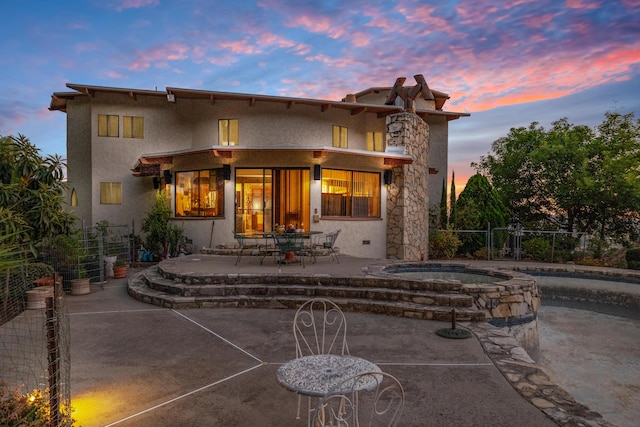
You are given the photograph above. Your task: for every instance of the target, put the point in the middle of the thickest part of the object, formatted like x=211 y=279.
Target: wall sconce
x=74 y=197
x=388 y=177
x=317 y=173
x=171 y=97
x=156 y=183
x=226 y=172
x=167 y=177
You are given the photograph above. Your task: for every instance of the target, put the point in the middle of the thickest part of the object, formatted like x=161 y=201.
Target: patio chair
x=325 y=242
x=368 y=399
x=319 y=327
x=246 y=243
x=289 y=245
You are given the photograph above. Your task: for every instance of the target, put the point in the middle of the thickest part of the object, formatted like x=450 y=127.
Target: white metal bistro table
x=315 y=375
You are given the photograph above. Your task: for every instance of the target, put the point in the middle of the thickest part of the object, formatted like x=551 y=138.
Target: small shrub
x=443 y=244
x=537 y=248
x=633 y=258
x=17 y=409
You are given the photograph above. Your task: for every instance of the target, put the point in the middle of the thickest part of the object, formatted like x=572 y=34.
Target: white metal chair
x=369 y=399
x=325 y=242
x=319 y=327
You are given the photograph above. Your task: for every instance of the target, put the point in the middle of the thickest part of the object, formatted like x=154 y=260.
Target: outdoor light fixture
x=388 y=177
x=226 y=172
x=74 y=197
x=167 y=176
x=317 y=175
x=171 y=97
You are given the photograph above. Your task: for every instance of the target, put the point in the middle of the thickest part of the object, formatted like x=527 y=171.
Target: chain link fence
x=514 y=243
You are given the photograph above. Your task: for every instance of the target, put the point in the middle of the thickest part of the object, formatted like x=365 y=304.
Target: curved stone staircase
x=396 y=297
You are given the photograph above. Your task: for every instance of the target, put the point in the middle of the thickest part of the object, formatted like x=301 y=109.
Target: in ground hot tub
x=510 y=299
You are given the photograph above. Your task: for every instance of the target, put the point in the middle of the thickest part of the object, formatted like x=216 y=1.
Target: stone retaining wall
x=510 y=303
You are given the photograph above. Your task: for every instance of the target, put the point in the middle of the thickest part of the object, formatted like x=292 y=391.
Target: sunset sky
x=508 y=63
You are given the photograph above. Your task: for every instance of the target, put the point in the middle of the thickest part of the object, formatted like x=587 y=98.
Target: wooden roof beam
x=165 y=160
x=225 y=154
x=397 y=162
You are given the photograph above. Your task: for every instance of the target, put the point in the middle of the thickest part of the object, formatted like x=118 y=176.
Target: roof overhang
x=289 y=102
x=150 y=164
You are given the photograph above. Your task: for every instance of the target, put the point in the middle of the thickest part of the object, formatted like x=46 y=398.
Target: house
x=246 y=162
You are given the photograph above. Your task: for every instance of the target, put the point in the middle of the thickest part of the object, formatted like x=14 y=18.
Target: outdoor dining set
x=288 y=247
x=340 y=389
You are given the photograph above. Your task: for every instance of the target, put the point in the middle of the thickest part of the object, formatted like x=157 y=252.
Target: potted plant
x=161 y=236
x=119 y=269
x=80 y=285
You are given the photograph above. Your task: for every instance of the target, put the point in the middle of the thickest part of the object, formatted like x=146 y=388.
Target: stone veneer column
x=407 y=196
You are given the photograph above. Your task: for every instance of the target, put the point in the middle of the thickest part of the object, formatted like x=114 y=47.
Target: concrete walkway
x=135 y=364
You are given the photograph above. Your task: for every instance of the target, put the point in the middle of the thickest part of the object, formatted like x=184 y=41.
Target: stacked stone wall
x=407 y=196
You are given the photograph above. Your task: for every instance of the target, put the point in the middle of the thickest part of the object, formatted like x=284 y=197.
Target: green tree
x=479 y=206
x=452 y=201
x=443 y=206
x=31 y=192
x=613 y=184
x=570 y=176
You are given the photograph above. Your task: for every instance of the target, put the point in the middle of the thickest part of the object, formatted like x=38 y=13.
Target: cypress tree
x=452 y=208
x=443 y=206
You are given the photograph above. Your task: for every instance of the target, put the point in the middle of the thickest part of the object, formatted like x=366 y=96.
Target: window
x=228 y=132
x=108 y=125
x=111 y=193
x=340 y=136
x=350 y=193
x=132 y=127
x=200 y=193
x=375 y=141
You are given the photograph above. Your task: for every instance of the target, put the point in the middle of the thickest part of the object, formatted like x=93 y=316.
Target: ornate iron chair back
x=369 y=399
x=320 y=327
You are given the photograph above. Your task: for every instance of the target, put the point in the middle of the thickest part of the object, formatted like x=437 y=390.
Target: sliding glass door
x=268 y=198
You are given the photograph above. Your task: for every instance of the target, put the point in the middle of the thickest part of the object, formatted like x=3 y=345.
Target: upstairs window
x=350 y=194
x=375 y=141
x=110 y=193
x=340 y=136
x=200 y=193
x=132 y=127
x=228 y=132
x=108 y=125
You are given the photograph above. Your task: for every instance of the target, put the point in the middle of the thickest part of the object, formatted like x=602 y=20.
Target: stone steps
x=245 y=291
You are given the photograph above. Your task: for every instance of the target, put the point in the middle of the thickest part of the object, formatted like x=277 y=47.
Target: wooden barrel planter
x=80 y=286
x=36 y=297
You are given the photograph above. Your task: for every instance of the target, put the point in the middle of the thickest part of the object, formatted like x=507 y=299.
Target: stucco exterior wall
x=271 y=135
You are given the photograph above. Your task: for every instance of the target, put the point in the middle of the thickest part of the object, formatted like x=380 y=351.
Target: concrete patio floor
x=135 y=364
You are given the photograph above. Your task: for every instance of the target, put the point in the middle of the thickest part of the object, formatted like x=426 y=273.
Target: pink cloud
x=583 y=4
x=319 y=24
x=121 y=5
x=537 y=21
x=115 y=74
x=159 y=55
